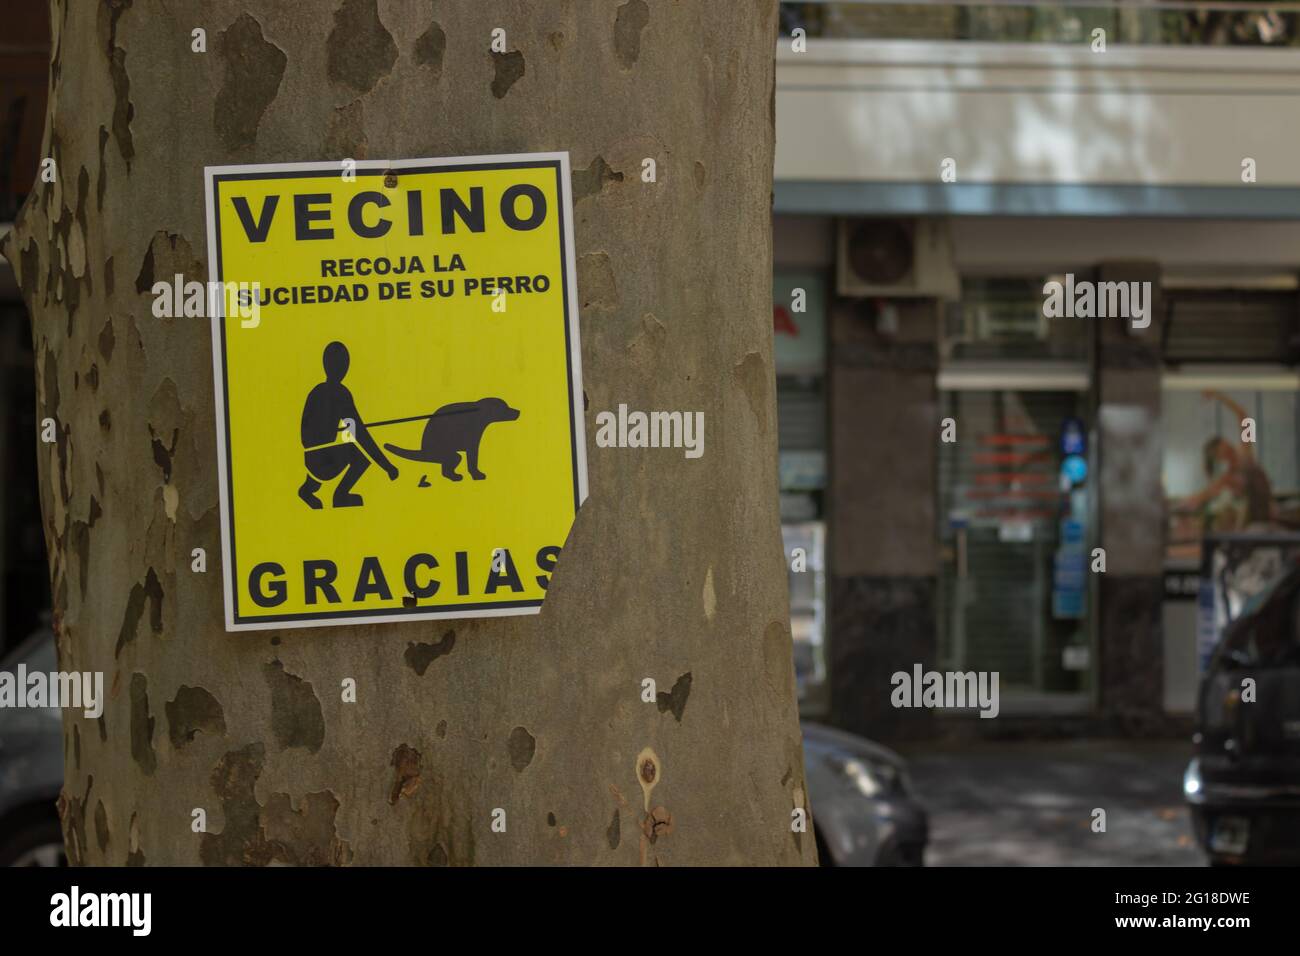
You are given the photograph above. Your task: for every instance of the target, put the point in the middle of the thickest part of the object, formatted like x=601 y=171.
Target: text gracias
x=268 y=584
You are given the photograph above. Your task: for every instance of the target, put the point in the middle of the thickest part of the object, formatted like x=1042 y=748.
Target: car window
x=1270 y=639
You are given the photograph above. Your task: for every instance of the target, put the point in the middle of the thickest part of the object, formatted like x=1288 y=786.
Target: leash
x=391 y=421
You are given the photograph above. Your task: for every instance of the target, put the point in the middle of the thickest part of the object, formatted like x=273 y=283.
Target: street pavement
x=1031 y=803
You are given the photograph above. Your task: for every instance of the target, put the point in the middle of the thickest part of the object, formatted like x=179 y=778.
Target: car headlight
x=870 y=778
x=1192 y=786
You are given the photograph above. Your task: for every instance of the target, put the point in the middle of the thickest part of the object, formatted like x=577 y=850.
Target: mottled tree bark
x=673 y=570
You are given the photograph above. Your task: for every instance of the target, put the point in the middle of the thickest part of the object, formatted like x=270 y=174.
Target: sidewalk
x=1031 y=803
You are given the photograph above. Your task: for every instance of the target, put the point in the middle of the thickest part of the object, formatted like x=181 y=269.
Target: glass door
x=1013 y=522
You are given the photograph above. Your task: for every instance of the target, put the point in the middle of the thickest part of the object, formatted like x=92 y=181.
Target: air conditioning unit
x=895 y=258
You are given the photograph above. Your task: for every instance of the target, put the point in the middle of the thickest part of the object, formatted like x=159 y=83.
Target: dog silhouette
x=457 y=428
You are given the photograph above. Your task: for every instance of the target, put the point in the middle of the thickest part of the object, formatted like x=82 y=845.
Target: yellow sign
x=398 y=387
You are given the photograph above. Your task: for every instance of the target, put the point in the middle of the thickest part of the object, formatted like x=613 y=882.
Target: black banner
x=385 y=907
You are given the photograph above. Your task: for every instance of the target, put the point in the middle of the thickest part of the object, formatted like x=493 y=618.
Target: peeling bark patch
x=162 y=454
x=296 y=718
x=168 y=254
x=100 y=180
x=123 y=110
x=752 y=377
x=101 y=826
x=56 y=61
x=631 y=20
x=675 y=700
x=242 y=841
x=79 y=544
x=657 y=823
x=419 y=656
x=613 y=833
x=550 y=819
x=134 y=856
x=193 y=710
x=509 y=67
x=109 y=282
x=51 y=400
x=142 y=725
x=254 y=68
x=72 y=816
x=406 y=773
x=429 y=49
x=360 y=51
x=107 y=340
x=440 y=832
x=76 y=271
x=597 y=289
x=590 y=181
x=522 y=745
x=59 y=280
x=31 y=271
x=76 y=747
x=144 y=279
x=150 y=591
x=305 y=836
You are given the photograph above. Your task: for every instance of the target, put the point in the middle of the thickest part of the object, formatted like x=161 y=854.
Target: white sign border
x=210 y=173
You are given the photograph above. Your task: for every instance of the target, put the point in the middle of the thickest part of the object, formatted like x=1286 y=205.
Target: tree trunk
x=673 y=570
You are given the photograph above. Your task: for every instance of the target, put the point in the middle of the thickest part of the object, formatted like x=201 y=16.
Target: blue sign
x=1075 y=468
x=1074 y=440
x=1207 y=629
x=1070 y=573
x=1067 y=605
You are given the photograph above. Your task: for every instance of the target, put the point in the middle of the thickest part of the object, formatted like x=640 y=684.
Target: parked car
x=1243 y=784
x=31 y=768
x=863 y=809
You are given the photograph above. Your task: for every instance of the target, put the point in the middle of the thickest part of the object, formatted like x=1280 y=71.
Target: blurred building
x=929 y=185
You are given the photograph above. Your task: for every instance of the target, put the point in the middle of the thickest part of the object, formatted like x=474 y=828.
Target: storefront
x=1073 y=436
